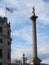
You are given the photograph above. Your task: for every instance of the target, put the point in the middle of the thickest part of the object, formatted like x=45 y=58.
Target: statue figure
x=33 y=11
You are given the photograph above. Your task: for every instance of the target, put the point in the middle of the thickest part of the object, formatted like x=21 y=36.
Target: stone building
x=5 y=42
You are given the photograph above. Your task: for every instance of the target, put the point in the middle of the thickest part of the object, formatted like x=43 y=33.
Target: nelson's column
x=35 y=60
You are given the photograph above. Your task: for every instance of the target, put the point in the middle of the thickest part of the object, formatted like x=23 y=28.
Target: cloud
x=25 y=9
x=2 y=12
x=19 y=20
x=46 y=61
x=43 y=48
x=43 y=52
x=42 y=41
x=18 y=54
x=24 y=33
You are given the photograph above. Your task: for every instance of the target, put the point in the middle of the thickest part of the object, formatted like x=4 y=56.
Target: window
x=8 y=33
x=9 y=64
x=0 y=63
x=8 y=55
x=1 y=40
x=0 y=53
x=0 y=29
x=8 y=43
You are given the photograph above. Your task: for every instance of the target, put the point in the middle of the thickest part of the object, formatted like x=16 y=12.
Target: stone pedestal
x=35 y=61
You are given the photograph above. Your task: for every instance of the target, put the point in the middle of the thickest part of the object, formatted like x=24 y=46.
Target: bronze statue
x=33 y=11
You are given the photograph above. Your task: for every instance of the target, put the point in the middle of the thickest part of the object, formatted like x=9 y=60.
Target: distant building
x=21 y=62
x=24 y=61
x=26 y=64
x=17 y=62
x=5 y=42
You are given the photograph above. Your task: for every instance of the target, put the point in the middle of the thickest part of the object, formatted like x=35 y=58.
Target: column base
x=35 y=61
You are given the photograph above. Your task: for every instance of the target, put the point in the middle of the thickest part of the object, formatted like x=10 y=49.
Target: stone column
x=35 y=59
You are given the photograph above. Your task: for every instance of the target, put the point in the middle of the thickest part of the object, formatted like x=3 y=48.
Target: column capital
x=33 y=17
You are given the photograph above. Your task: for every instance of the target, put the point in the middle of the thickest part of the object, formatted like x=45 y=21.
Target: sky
x=21 y=27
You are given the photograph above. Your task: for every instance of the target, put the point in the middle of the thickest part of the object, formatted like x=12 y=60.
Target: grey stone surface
x=35 y=59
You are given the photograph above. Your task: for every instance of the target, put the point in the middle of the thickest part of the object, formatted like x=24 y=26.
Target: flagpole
x=5 y=12
x=5 y=9
x=3 y=6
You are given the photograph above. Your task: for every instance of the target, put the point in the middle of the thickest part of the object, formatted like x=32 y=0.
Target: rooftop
x=4 y=20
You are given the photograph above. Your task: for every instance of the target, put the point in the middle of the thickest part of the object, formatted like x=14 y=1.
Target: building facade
x=5 y=42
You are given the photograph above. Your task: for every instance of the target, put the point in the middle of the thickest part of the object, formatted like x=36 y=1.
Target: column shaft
x=34 y=39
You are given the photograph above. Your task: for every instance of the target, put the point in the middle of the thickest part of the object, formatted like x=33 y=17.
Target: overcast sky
x=21 y=27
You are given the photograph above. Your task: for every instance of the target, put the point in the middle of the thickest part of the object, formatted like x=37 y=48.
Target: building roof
x=4 y=20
